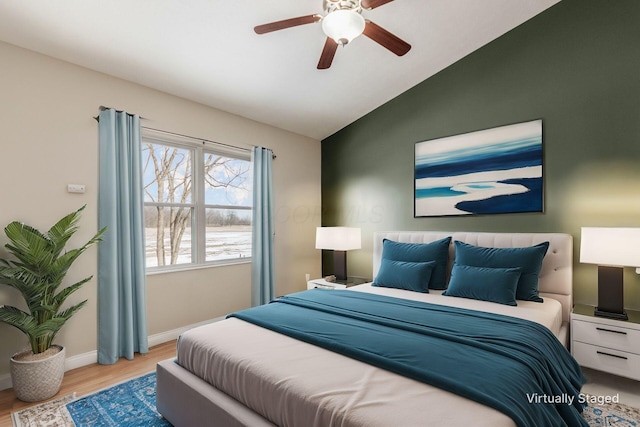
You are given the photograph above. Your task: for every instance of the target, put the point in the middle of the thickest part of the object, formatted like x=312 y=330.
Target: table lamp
x=340 y=240
x=611 y=248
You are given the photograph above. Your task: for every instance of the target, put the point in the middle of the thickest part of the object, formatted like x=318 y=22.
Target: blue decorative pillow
x=412 y=276
x=486 y=284
x=437 y=251
x=528 y=259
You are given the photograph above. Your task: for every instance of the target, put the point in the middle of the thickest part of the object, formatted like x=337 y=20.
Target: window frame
x=199 y=149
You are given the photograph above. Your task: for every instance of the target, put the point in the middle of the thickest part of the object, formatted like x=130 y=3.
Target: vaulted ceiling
x=207 y=51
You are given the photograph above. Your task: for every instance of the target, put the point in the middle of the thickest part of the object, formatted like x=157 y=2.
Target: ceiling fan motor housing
x=333 y=5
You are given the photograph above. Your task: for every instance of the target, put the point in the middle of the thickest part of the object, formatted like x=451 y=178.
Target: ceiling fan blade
x=386 y=39
x=329 y=51
x=372 y=4
x=287 y=23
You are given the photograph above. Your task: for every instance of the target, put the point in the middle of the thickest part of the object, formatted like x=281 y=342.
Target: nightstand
x=338 y=284
x=604 y=344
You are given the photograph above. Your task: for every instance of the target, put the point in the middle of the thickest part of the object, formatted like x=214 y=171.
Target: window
x=197 y=204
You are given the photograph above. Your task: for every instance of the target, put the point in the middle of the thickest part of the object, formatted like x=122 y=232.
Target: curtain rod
x=204 y=141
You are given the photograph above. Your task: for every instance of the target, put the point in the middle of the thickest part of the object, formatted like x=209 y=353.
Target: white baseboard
x=90 y=357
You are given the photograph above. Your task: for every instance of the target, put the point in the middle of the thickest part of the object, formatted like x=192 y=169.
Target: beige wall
x=48 y=139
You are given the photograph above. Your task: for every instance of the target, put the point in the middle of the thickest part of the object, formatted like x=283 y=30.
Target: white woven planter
x=38 y=380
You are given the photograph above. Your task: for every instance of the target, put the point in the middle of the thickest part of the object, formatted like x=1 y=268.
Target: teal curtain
x=263 y=228
x=122 y=326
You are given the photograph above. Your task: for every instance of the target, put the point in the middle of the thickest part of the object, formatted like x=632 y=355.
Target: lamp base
x=340 y=265
x=610 y=293
x=611 y=315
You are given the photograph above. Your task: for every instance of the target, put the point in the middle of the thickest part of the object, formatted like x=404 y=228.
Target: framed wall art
x=490 y=171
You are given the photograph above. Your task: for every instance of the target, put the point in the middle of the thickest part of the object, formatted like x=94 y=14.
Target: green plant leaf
x=61 y=296
x=28 y=244
x=63 y=230
x=66 y=314
x=17 y=318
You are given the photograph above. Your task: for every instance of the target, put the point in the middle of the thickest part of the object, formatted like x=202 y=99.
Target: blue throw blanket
x=515 y=366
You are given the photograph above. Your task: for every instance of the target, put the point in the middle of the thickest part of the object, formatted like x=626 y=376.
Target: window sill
x=188 y=267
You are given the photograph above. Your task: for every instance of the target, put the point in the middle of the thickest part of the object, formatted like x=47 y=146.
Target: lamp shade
x=343 y=25
x=338 y=238
x=612 y=246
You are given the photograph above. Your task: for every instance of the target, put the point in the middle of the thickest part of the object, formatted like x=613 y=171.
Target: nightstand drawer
x=607 y=360
x=603 y=335
x=323 y=284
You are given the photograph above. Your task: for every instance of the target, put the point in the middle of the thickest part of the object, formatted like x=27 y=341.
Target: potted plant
x=37 y=270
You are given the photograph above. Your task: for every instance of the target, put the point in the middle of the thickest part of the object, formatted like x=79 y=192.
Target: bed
x=235 y=373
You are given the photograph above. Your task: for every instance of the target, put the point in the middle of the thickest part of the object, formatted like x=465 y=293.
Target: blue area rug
x=611 y=415
x=132 y=403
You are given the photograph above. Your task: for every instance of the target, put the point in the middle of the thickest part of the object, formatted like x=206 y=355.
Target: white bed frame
x=186 y=400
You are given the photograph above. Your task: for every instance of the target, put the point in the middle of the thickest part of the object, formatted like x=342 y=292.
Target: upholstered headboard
x=556 y=275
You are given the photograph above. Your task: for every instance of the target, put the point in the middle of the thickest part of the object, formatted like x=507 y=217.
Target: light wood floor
x=91 y=378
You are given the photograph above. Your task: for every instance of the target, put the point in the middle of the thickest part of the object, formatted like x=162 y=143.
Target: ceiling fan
x=342 y=22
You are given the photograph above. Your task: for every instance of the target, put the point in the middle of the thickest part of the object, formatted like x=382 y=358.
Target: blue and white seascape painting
x=490 y=171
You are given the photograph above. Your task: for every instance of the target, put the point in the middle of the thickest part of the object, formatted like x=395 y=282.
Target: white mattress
x=292 y=383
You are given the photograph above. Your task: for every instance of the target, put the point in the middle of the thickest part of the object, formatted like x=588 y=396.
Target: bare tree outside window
x=181 y=185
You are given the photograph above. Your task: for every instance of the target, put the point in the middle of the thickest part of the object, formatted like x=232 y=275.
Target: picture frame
x=491 y=171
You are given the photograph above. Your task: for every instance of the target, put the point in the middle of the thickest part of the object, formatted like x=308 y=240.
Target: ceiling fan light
x=343 y=25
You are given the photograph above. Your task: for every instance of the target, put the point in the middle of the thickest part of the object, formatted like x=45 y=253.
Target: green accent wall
x=577 y=67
